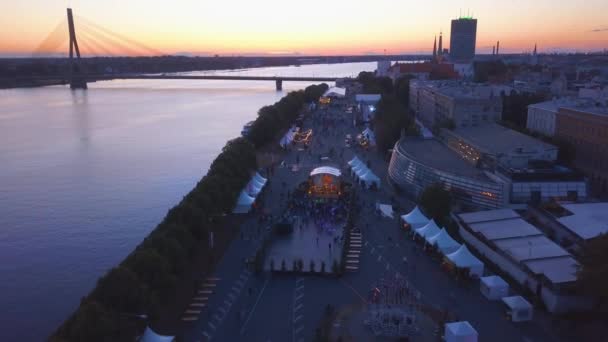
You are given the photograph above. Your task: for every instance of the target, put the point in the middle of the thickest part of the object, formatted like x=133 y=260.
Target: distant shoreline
x=18 y=72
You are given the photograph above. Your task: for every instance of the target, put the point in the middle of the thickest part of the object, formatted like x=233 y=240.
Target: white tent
x=415 y=218
x=520 y=309
x=385 y=209
x=253 y=189
x=444 y=242
x=151 y=336
x=460 y=332
x=243 y=203
x=326 y=170
x=369 y=135
x=355 y=161
x=494 y=287
x=369 y=178
x=359 y=169
x=429 y=230
x=255 y=182
x=259 y=178
x=288 y=137
x=463 y=258
x=335 y=92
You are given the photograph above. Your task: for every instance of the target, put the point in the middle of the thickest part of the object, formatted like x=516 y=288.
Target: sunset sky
x=309 y=27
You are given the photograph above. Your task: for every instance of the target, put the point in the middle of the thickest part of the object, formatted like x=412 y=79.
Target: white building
x=523 y=252
x=496 y=145
x=463 y=104
x=541 y=117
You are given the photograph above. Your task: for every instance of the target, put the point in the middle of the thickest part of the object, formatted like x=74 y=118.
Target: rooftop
x=553 y=105
x=432 y=153
x=497 y=139
x=601 y=110
x=588 y=220
x=489 y=215
x=503 y=229
x=523 y=243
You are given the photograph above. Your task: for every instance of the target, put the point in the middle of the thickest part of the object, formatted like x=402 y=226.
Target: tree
x=390 y=119
x=121 y=290
x=436 y=202
x=402 y=89
x=592 y=276
x=515 y=107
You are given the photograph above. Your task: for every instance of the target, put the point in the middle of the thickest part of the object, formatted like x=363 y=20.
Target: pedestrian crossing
x=200 y=300
x=223 y=308
x=353 y=252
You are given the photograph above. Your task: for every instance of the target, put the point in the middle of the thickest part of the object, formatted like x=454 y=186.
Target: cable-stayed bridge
x=95 y=40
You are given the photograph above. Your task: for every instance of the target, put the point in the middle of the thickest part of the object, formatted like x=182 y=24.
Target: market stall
x=151 y=336
x=461 y=331
x=462 y=258
x=519 y=310
x=414 y=219
x=443 y=241
x=494 y=287
x=429 y=230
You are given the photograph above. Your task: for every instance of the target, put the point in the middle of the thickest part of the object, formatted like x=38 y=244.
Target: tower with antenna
x=463 y=37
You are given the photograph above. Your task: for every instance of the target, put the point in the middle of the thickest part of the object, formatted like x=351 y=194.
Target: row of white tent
x=287 y=139
x=249 y=194
x=362 y=173
x=458 y=254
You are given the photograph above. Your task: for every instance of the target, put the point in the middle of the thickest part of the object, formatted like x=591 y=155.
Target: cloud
x=600 y=29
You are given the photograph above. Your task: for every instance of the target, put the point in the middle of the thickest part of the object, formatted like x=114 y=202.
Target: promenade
x=281 y=307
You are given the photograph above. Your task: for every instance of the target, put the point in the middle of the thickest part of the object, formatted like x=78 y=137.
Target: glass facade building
x=418 y=163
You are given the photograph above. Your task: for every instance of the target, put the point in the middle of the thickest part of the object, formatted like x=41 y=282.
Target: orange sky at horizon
x=318 y=27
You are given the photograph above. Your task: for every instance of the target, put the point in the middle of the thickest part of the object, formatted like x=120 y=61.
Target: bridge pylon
x=76 y=74
x=279 y=84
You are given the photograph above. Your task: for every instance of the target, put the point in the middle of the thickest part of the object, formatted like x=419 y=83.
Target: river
x=86 y=175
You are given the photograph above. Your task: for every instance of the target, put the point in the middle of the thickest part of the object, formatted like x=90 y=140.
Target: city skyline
x=273 y=27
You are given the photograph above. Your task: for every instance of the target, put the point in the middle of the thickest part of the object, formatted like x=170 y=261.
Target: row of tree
x=275 y=119
x=392 y=114
x=146 y=280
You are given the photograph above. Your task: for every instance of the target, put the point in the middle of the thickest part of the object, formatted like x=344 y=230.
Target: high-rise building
x=462 y=39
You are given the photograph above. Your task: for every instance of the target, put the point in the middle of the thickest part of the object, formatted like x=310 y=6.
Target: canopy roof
x=326 y=170
x=245 y=199
x=430 y=229
x=335 y=92
x=288 y=137
x=415 y=217
x=443 y=241
x=494 y=282
x=517 y=303
x=368 y=133
x=385 y=209
x=355 y=161
x=259 y=178
x=463 y=258
x=151 y=336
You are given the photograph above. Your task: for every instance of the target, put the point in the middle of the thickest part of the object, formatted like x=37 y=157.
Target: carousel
x=325 y=182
